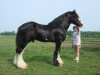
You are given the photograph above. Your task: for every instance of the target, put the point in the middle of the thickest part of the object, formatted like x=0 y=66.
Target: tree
x=8 y=33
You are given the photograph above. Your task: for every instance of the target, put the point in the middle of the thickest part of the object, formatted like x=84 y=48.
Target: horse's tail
x=25 y=34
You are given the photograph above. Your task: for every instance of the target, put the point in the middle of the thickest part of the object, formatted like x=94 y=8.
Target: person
x=76 y=42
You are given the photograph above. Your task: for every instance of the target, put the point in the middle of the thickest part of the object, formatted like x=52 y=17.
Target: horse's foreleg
x=57 y=61
x=60 y=61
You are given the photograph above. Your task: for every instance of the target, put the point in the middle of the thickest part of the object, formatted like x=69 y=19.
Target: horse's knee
x=20 y=47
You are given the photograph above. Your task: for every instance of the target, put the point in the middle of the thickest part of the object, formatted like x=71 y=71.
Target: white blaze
x=80 y=20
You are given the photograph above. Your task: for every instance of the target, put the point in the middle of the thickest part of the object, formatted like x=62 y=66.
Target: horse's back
x=26 y=31
x=27 y=26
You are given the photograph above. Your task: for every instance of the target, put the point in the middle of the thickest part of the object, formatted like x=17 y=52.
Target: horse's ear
x=74 y=10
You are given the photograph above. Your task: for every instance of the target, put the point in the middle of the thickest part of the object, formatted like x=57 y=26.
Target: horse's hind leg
x=18 y=60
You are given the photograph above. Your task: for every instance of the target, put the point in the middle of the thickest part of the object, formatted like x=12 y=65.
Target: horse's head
x=74 y=18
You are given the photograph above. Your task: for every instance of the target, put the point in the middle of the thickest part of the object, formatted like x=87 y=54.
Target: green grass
x=39 y=56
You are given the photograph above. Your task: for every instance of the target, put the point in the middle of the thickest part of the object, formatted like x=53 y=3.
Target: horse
x=55 y=32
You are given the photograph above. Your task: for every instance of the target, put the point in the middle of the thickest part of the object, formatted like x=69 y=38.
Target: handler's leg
x=77 y=51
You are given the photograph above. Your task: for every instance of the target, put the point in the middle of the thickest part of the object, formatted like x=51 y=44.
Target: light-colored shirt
x=76 y=40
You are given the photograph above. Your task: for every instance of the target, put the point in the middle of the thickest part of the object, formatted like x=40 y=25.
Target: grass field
x=39 y=56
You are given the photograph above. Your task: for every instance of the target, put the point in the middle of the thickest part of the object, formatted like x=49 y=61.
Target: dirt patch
x=83 y=45
x=64 y=44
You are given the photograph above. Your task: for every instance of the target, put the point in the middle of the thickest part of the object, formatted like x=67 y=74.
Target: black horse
x=55 y=31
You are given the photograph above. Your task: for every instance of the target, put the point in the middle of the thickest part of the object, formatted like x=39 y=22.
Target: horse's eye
x=75 y=17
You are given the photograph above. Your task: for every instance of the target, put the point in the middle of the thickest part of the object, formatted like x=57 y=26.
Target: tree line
x=6 y=33
x=84 y=34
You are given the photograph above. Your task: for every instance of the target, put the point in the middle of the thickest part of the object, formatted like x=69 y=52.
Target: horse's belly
x=45 y=39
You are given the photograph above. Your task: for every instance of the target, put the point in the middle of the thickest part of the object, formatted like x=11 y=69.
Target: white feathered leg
x=18 y=60
x=60 y=61
x=15 y=59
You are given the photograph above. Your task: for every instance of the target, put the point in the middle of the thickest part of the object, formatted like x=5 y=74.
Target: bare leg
x=77 y=52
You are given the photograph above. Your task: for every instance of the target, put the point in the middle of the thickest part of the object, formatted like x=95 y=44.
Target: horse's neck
x=61 y=21
x=66 y=23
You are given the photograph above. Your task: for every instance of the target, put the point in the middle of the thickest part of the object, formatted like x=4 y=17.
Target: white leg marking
x=59 y=60
x=20 y=62
x=15 y=59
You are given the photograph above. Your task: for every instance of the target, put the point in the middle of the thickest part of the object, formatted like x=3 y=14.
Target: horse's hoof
x=24 y=66
x=56 y=63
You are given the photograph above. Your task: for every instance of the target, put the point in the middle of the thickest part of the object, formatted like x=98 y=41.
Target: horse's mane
x=57 y=21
